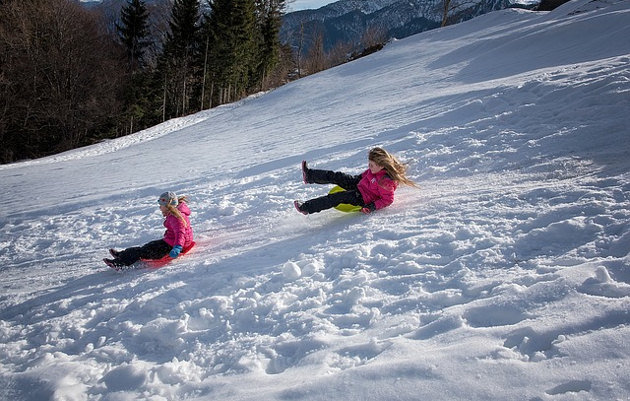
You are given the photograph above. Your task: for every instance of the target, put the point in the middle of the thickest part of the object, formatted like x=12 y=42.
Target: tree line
x=71 y=76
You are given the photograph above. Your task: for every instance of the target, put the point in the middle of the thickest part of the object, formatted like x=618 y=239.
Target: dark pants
x=153 y=250
x=351 y=195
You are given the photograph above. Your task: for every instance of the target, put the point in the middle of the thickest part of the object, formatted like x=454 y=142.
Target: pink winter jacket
x=176 y=233
x=377 y=188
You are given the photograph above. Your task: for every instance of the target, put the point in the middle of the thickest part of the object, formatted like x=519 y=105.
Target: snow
x=506 y=276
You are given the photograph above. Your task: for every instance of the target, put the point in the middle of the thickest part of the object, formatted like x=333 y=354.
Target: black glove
x=369 y=208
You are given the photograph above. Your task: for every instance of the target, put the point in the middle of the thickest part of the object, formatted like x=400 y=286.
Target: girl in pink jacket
x=371 y=190
x=178 y=235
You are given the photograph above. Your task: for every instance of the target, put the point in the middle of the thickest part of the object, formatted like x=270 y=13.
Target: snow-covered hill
x=506 y=276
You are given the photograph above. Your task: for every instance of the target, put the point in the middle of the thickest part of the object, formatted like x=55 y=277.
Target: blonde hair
x=175 y=212
x=395 y=169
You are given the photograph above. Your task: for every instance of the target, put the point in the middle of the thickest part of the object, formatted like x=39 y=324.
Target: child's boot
x=114 y=264
x=305 y=172
x=298 y=207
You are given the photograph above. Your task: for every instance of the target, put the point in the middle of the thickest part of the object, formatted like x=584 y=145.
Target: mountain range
x=347 y=21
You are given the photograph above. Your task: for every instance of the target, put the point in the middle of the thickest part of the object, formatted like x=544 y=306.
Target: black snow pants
x=351 y=195
x=152 y=250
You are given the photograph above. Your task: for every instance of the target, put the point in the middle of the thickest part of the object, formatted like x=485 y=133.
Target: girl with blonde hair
x=371 y=190
x=178 y=235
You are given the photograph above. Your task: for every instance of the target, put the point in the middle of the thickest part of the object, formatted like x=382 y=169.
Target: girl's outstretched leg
x=329 y=201
x=314 y=176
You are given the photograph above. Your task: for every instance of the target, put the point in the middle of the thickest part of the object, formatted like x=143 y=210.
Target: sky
x=297 y=5
x=504 y=276
x=293 y=5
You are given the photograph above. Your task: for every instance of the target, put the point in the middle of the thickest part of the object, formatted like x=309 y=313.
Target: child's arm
x=177 y=229
x=180 y=233
x=386 y=188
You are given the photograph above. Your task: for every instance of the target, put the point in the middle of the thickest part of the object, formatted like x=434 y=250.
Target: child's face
x=374 y=168
x=164 y=210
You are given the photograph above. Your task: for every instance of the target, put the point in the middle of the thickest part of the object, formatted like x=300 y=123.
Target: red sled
x=157 y=263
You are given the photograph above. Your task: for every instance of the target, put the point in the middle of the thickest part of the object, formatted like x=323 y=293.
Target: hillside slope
x=506 y=276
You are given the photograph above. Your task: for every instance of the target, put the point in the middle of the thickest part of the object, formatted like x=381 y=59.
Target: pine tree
x=134 y=30
x=242 y=47
x=219 y=38
x=269 y=20
x=182 y=39
x=230 y=29
x=177 y=67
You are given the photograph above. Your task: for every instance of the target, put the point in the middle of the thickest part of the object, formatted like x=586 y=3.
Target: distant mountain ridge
x=341 y=7
x=347 y=20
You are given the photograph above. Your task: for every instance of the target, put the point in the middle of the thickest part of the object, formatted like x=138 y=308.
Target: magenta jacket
x=377 y=188
x=176 y=233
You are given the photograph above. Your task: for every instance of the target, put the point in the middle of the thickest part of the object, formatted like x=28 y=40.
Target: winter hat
x=168 y=198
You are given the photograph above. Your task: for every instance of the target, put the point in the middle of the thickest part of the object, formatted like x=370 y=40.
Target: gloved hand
x=174 y=253
x=369 y=208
